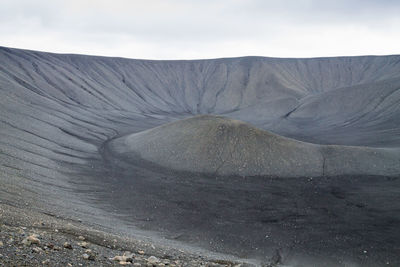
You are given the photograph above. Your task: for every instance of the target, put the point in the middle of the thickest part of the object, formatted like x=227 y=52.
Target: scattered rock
x=81 y=238
x=32 y=239
x=125 y=259
x=153 y=260
x=67 y=245
x=118 y=258
x=83 y=244
x=37 y=249
x=89 y=257
x=49 y=245
x=129 y=256
x=124 y=263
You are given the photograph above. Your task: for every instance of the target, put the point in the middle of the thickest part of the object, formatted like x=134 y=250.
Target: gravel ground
x=30 y=238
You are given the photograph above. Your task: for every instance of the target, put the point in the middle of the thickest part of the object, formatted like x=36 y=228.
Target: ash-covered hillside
x=72 y=126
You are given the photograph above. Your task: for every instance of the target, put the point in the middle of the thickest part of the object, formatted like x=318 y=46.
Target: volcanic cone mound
x=223 y=146
x=214 y=144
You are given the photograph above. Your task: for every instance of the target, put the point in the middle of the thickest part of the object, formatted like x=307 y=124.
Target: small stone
x=67 y=245
x=137 y=264
x=124 y=263
x=118 y=258
x=141 y=252
x=83 y=244
x=129 y=256
x=153 y=260
x=1 y=244
x=89 y=257
x=81 y=238
x=32 y=239
x=57 y=248
x=46 y=261
x=37 y=249
x=69 y=265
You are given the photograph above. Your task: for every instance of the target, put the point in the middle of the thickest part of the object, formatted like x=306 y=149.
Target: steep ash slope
x=359 y=115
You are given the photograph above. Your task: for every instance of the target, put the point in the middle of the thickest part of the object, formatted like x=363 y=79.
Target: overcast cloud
x=187 y=29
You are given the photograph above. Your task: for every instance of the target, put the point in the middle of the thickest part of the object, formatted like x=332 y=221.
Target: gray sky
x=187 y=29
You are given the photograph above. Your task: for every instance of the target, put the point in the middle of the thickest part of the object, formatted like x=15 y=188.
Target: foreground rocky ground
x=32 y=239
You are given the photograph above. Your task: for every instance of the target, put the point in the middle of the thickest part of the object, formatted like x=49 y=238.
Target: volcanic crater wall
x=67 y=122
x=58 y=109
